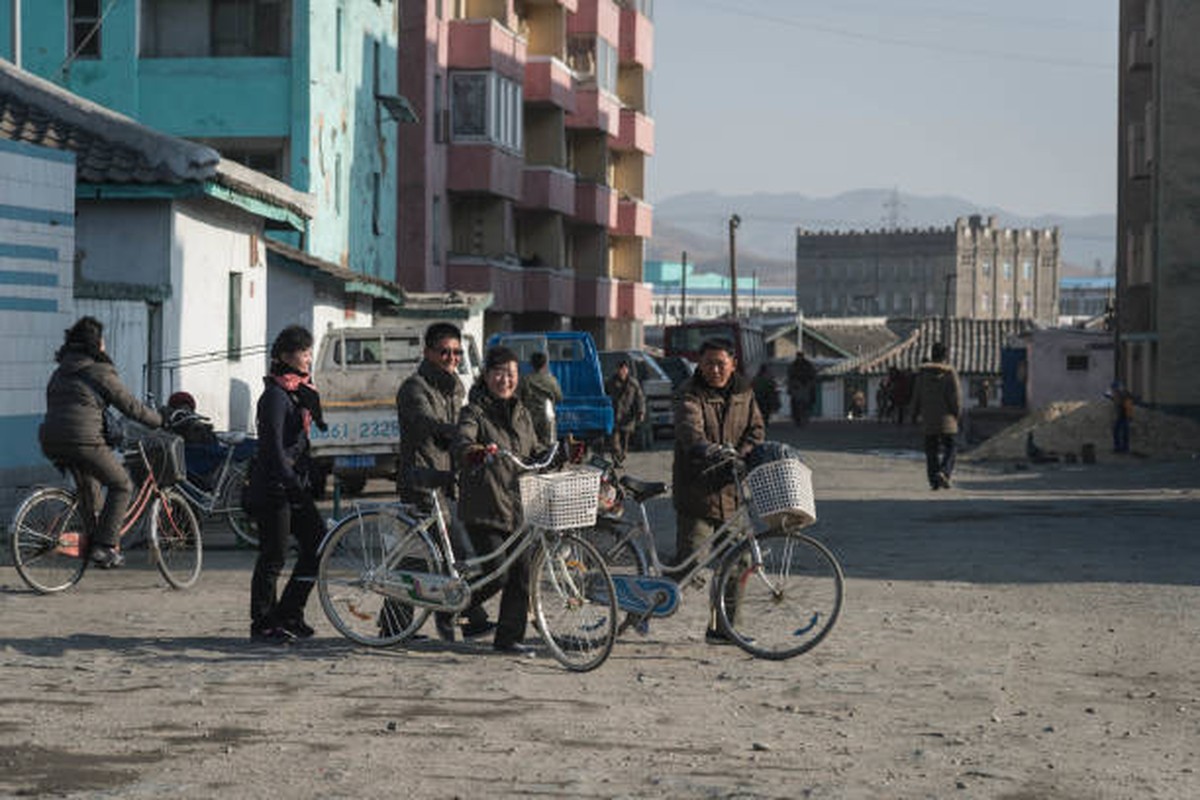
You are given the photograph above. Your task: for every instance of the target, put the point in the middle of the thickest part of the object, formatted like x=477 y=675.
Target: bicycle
x=777 y=591
x=384 y=568
x=224 y=499
x=51 y=531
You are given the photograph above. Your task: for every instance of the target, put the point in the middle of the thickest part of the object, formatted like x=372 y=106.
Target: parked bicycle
x=216 y=491
x=51 y=531
x=777 y=591
x=385 y=568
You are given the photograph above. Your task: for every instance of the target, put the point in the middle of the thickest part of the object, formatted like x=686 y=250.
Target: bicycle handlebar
x=529 y=466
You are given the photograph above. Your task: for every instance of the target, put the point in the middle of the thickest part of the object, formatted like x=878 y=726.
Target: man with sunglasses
x=428 y=403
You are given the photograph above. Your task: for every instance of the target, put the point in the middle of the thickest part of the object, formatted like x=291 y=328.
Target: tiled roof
x=111 y=148
x=378 y=286
x=973 y=345
x=858 y=337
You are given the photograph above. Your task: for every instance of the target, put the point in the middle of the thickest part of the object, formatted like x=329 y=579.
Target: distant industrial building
x=707 y=295
x=1158 y=191
x=973 y=270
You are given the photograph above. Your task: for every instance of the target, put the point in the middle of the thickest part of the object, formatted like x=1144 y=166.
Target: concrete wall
x=37 y=247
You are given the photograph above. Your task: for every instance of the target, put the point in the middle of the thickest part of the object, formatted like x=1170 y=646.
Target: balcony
x=548 y=80
x=636 y=132
x=634 y=218
x=486 y=44
x=637 y=38
x=549 y=189
x=596 y=297
x=515 y=289
x=601 y=17
x=486 y=168
x=634 y=300
x=596 y=109
x=595 y=204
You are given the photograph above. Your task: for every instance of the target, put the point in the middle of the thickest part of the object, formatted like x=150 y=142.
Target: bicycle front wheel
x=178 y=548
x=574 y=602
x=360 y=551
x=787 y=604
x=241 y=523
x=49 y=541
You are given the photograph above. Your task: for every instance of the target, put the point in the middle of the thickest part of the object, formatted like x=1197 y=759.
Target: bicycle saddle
x=643 y=490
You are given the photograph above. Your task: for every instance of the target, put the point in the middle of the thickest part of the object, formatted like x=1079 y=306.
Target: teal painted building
x=290 y=88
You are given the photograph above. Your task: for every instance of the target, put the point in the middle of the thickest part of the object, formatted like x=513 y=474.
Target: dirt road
x=1028 y=634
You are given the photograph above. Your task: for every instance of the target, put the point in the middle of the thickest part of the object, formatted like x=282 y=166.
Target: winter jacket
x=428 y=403
x=629 y=402
x=76 y=396
x=937 y=398
x=705 y=416
x=281 y=466
x=488 y=494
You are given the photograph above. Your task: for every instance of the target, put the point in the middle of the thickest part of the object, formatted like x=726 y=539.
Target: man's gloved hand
x=480 y=454
x=445 y=434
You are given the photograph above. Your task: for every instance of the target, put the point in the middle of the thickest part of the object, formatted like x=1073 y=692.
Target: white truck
x=359 y=370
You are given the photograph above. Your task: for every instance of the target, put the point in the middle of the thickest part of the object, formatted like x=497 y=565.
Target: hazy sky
x=1007 y=103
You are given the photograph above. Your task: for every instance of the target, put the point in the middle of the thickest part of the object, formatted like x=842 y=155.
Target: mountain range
x=697 y=223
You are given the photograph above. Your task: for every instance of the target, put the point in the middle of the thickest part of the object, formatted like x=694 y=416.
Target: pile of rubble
x=1064 y=428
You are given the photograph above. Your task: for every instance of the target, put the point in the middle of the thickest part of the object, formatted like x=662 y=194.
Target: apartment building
x=1158 y=191
x=974 y=269
x=527 y=176
x=301 y=90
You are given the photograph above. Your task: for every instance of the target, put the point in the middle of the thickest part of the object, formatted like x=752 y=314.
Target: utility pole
x=754 y=293
x=683 y=288
x=734 y=222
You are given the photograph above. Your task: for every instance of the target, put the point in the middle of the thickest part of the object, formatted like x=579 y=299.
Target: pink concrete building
x=526 y=176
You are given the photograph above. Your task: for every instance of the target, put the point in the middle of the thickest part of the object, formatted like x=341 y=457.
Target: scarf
x=301 y=387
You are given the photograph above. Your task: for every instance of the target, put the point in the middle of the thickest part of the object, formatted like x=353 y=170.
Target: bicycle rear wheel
x=785 y=606
x=49 y=541
x=241 y=523
x=355 y=554
x=178 y=549
x=574 y=602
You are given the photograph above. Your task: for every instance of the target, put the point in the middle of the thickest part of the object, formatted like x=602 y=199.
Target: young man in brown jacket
x=937 y=399
x=714 y=407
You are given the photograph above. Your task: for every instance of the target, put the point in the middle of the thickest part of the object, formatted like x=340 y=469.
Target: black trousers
x=278 y=521
x=514 y=602
x=940 y=450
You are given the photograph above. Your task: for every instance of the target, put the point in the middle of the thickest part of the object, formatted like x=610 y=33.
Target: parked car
x=656 y=385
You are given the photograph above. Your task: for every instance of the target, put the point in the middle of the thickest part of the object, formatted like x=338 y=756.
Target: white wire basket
x=782 y=491
x=560 y=501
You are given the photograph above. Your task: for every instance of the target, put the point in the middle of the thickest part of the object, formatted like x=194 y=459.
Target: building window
x=1027 y=269
x=337 y=40
x=234 y=335
x=1005 y=302
x=435 y=238
x=265 y=155
x=1008 y=270
x=593 y=58
x=1077 y=363
x=215 y=28
x=986 y=268
x=1027 y=304
x=985 y=303
x=375 y=200
x=85 y=28
x=486 y=106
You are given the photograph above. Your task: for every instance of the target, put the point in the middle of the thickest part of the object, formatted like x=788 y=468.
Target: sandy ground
x=1029 y=634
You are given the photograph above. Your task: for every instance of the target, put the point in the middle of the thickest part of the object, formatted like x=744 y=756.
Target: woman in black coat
x=281 y=500
x=73 y=434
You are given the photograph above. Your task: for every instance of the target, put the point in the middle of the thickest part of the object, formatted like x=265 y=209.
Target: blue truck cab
x=586 y=411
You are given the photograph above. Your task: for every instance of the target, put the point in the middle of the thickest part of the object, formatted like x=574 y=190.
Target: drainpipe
x=16 y=33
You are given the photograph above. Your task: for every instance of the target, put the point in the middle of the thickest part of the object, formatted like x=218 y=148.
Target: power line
x=976 y=52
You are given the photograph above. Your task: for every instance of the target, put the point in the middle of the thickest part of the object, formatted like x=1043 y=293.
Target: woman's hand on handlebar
x=480 y=454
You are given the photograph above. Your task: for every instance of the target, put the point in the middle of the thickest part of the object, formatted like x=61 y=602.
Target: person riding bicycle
x=714 y=408
x=282 y=501
x=488 y=495
x=73 y=433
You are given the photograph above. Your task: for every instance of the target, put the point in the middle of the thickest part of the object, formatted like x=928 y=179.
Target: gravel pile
x=1062 y=428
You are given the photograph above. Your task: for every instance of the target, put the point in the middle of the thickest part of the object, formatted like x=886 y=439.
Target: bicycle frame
x=450 y=590
x=147 y=492
x=204 y=499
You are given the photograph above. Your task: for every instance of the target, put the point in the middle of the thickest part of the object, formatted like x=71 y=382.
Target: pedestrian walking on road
x=540 y=392
x=281 y=491
x=937 y=400
x=629 y=408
